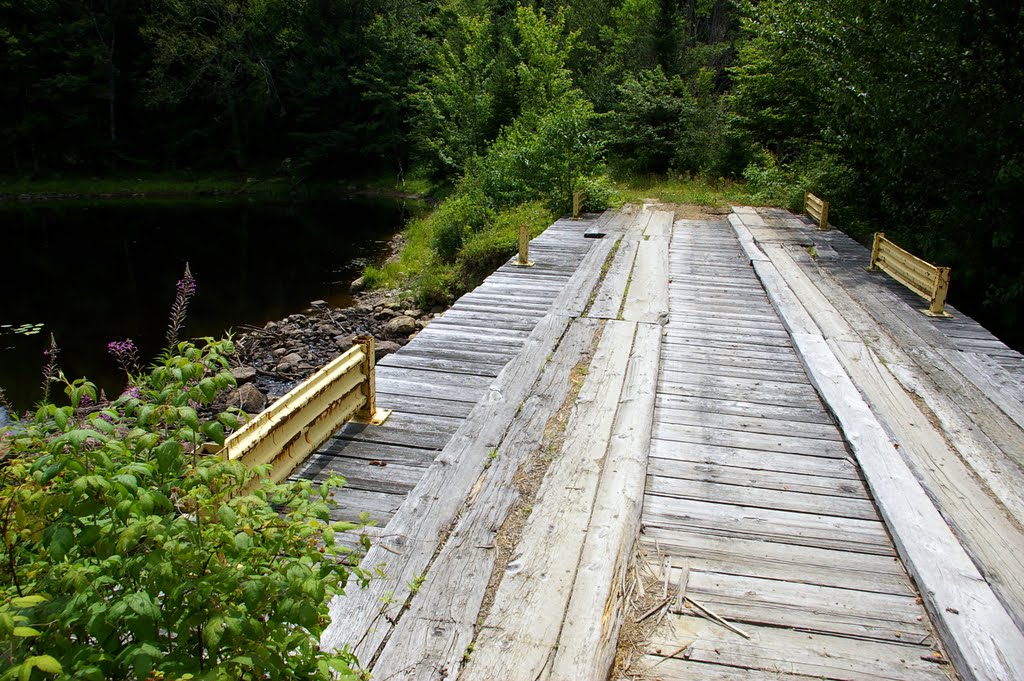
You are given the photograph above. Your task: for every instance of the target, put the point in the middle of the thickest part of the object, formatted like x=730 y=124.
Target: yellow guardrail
x=817 y=209
x=297 y=424
x=923 y=278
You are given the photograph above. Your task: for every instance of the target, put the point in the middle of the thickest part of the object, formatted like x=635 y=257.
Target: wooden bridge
x=710 y=447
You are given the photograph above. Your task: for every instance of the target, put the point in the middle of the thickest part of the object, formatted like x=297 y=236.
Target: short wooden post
x=937 y=305
x=823 y=222
x=369 y=412
x=577 y=204
x=524 y=247
x=872 y=266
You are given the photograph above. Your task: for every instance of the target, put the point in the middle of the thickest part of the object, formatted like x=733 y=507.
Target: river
x=91 y=273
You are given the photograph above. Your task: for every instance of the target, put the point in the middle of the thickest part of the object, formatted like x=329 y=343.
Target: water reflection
x=95 y=273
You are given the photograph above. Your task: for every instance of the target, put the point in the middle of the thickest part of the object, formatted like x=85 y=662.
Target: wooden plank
x=811 y=655
x=727 y=387
x=677 y=370
x=761 y=461
x=732 y=520
x=809 y=607
x=978 y=632
x=806 y=482
x=647 y=297
x=588 y=640
x=440 y=624
x=744 y=407
x=358 y=619
x=713 y=435
x=711 y=418
x=660 y=223
x=613 y=289
x=521 y=630
x=773 y=560
x=707 y=487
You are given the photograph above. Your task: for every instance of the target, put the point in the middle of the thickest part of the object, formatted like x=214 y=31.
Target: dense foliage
x=127 y=553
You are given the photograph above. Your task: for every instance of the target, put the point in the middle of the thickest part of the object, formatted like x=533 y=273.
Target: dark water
x=95 y=273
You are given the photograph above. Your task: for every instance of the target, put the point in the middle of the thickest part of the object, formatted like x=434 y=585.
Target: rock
x=384 y=348
x=250 y=399
x=357 y=285
x=270 y=325
x=292 y=358
x=243 y=374
x=318 y=303
x=413 y=313
x=283 y=368
x=400 y=326
x=343 y=342
x=280 y=352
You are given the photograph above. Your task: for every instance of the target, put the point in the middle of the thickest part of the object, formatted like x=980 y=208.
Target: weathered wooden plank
x=419 y=404
x=758 y=460
x=816 y=414
x=677 y=370
x=773 y=560
x=809 y=607
x=647 y=297
x=521 y=630
x=405 y=430
x=783 y=361
x=980 y=635
x=610 y=296
x=589 y=636
x=804 y=529
x=728 y=387
x=706 y=487
x=660 y=223
x=714 y=435
x=445 y=364
x=359 y=619
x=748 y=478
x=811 y=655
x=439 y=626
x=706 y=416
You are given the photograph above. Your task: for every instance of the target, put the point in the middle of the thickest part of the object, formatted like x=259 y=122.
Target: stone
x=250 y=399
x=357 y=285
x=413 y=313
x=243 y=374
x=343 y=342
x=384 y=348
x=318 y=303
x=400 y=326
x=270 y=325
x=292 y=358
x=280 y=352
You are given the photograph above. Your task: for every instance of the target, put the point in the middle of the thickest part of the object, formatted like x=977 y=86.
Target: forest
x=906 y=115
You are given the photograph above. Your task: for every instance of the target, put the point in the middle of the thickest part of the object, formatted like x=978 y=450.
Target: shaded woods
x=906 y=115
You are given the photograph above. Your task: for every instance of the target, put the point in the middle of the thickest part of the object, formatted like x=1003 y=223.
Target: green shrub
x=128 y=554
x=455 y=219
x=487 y=250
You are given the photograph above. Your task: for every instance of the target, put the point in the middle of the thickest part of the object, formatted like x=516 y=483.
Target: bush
x=457 y=218
x=128 y=554
x=485 y=251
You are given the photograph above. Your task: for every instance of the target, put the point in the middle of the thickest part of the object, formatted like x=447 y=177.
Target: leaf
x=26 y=632
x=228 y=516
x=60 y=417
x=189 y=416
x=27 y=601
x=43 y=663
x=60 y=543
x=213 y=430
x=167 y=454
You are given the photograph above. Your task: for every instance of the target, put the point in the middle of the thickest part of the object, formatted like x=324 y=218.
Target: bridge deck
x=666 y=383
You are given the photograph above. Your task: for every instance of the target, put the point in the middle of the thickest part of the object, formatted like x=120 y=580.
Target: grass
x=696 y=190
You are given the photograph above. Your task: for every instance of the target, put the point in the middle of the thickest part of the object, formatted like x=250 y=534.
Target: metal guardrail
x=817 y=209
x=297 y=424
x=923 y=278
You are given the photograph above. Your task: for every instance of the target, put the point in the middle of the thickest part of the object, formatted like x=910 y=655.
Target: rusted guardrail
x=923 y=278
x=817 y=209
x=297 y=424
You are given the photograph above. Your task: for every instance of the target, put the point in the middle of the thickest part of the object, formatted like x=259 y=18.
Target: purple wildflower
x=186 y=288
x=132 y=393
x=126 y=354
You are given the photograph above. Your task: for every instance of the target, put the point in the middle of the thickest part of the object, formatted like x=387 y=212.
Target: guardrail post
x=872 y=266
x=369 y=412
x=823 y=221
x=577 y=204
x=524 y=247
x=936 y=308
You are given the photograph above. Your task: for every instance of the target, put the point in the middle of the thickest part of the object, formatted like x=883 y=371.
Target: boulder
x=293 y=358
x=318 y=303
x=357 y=285
x=401 y=326
x=250 y=399
x=384 y=348
x=243 y=374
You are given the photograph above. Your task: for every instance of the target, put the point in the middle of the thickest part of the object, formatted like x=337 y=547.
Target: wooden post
x=938 y=302
x=369 y=412
x=874 y=251
x=524 y=247
x=823 y=222
x=577 y=204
